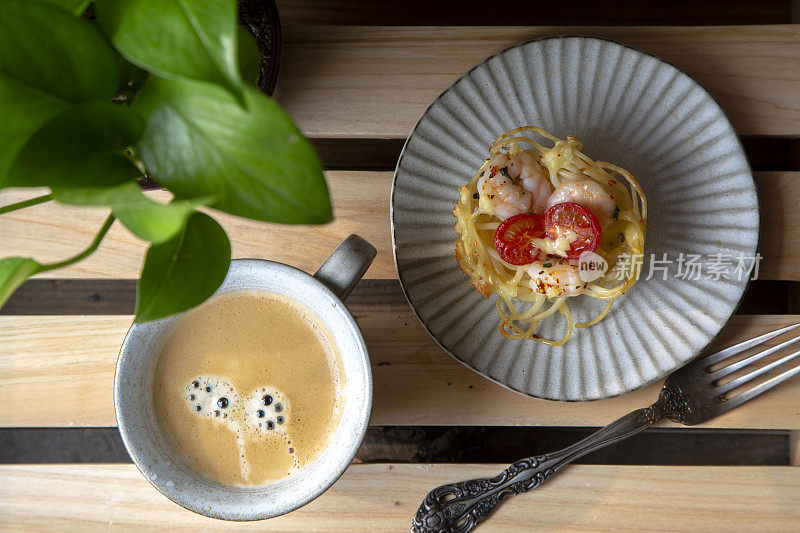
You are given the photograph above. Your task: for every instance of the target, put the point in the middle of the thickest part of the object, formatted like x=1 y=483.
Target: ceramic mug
x=322 y=294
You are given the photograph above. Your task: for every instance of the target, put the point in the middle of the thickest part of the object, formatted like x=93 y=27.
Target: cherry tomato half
x=577 y=218
x=513 y=238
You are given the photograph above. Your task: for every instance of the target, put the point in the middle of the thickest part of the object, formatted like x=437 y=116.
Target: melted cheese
x=559 y=156
x=557 y=246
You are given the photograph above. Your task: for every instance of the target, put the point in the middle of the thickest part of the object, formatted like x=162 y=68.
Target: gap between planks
x=473 y=12
x=92 y=296
x=50 y=232
x=415 y=381
x=763 y=153
x=384 y=498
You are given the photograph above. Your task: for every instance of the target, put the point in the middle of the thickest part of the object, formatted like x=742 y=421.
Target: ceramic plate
x=628 y=108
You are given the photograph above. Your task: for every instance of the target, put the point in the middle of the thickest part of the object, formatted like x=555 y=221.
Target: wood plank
x=384 y=497
x=376 y=81
x=72 y=358
x=51 y=232
x=779 y=194
x=474 y=12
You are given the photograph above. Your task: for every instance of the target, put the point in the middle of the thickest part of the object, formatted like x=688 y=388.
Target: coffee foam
x=264 y=413
x=212 y=397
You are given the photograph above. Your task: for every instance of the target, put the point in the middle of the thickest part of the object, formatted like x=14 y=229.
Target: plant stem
x=87 y=252
x=26 y=203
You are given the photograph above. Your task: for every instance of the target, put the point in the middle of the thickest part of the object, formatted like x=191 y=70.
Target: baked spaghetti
x=529 y=216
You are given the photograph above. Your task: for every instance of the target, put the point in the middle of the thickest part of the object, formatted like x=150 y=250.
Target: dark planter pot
x=260 y=18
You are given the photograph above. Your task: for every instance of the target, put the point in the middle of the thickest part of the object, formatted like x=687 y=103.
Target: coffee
x=247 y=388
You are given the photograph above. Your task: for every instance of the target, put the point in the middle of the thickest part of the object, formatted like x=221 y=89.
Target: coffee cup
x=323 y=294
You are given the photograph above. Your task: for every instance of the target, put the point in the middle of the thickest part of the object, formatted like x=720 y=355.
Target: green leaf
x=23 y=112
x=183 y=271
x=199 y=142
x=83 y=146
x=176 y=38
x=249 y=57
x=157 y=222
x=76 y=7
x=48 y=60
x=147 y=219
x=56 y=54
x=13 y=273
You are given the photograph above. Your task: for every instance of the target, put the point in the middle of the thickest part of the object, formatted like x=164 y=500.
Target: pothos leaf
x=80 y=147
x=13 y=273
x=184 y=271
x=147 y=219
x=249 y=57
x=176 y=38
x=76 y=7
x=49 y=59
x=199 y=141
x=157 y=222
x=55 y=54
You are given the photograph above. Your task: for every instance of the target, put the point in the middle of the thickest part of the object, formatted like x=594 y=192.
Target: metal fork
x=690 y=396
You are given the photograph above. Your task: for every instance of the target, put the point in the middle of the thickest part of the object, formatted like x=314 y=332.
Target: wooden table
x=357 y=91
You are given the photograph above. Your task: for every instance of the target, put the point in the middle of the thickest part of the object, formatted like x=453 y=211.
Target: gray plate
x=628 y=108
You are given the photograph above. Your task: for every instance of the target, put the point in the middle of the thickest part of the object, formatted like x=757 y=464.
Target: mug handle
x=342 y=270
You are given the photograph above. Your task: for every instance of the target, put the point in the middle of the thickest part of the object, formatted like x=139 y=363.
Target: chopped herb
x=547 y=265
x=621 y=237
x=491 y=197
x=616 y=212
x=504 y=172
x=476 y=196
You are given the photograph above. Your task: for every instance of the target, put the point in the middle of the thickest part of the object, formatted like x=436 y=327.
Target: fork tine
x=741 y=380
x=742 y=346
x=761 y=387
x=722 y=372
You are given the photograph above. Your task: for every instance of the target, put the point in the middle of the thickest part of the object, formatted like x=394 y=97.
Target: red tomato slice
x=577 y=218
x=513 y=238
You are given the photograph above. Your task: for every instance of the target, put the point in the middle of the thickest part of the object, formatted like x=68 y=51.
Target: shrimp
x=525 y=168
x=587 y=193
x=555 y=277
x=513 y=184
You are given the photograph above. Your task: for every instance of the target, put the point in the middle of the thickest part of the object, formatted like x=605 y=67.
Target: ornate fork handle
x=459 y=507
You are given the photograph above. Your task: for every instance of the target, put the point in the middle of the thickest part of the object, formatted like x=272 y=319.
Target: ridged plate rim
x=467 y=74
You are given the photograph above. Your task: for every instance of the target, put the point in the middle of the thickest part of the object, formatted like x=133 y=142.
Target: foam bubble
x=212 y=397
x=264 y=412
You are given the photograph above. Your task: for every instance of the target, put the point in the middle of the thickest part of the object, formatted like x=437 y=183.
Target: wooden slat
x=59 y=371
x=51 y=232
x=376 y=81
x=779 y=194
x=384 y=497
